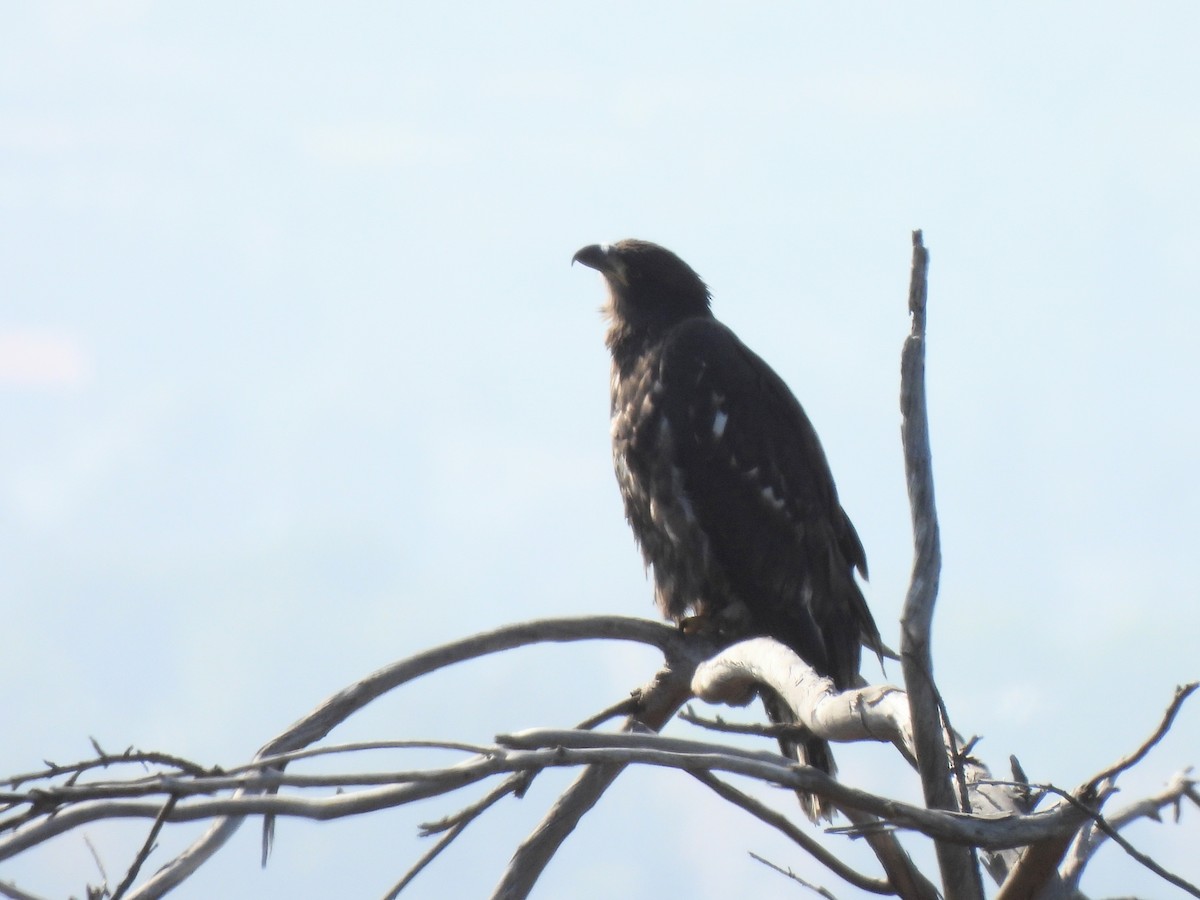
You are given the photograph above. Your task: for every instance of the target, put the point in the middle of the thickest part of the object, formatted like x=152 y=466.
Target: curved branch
x=1182 y=692
x=337 y=708
x=879 y=713
x=62 y=808
x=872 y=713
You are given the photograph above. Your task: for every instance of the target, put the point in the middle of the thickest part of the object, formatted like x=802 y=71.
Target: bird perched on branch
x=724 y=481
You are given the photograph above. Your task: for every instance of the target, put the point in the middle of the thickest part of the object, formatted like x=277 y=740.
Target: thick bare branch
x=1036 y=870
x=873 y=713
x=15 y=893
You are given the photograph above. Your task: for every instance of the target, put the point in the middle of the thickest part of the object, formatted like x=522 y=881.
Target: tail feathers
x=809 y=751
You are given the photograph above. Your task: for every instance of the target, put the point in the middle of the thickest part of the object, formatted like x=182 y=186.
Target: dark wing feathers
x=724 y=480
x=757 y=478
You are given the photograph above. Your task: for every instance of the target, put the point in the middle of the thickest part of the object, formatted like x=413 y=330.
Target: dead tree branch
x=1083 y=800
x=873 y=713
x=14 y=893
x=69 y=806
x=783 y=824
x=1182 y=692
x=662 y=698
x=228 y=813
x=1180 y=788
x=960 y=873
x=557 y=747
x=1032 y=853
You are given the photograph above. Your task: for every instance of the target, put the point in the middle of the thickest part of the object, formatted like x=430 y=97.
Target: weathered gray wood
x=960 y=871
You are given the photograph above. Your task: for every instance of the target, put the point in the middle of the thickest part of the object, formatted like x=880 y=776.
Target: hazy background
x=297 y=379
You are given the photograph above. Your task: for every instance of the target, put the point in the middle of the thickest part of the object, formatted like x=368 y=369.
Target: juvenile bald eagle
x=725 y=484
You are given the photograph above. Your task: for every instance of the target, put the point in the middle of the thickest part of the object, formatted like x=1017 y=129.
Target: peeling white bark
x=871 y=713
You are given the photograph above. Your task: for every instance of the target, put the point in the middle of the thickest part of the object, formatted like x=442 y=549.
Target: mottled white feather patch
x=720 y=417
x=685 y=502
x=768 y=494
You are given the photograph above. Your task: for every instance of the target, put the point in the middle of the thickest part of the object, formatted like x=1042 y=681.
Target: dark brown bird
x=724 y=481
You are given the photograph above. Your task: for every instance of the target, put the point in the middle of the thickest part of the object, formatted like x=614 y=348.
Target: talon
x=698 y=625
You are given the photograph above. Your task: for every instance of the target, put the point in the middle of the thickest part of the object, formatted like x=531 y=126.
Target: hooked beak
x=601 y=258
x=594 y=256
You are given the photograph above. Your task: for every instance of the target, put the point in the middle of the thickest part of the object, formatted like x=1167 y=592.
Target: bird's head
x=649 y=286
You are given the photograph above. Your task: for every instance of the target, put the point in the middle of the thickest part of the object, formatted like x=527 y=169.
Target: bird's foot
x=700 y=625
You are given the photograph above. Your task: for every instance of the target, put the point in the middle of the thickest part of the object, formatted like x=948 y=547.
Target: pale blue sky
x=298 y=378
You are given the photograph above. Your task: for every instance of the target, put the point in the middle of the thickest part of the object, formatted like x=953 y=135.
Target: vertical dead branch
x=960 y=872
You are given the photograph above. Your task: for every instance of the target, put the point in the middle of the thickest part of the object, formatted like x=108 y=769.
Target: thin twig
x=518 y=783
x=820 y=891
x=1121 y=842
x=53 y=770
x=952 y=750
x=627 y=707
x=96 y=857
x=1182 y=692
x=251 y=781
x=426 y=858
x=513 y=783
x=755 y=729
x=147 y=848
x=279 y=759
x=781 y=823
x=1090 y=839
